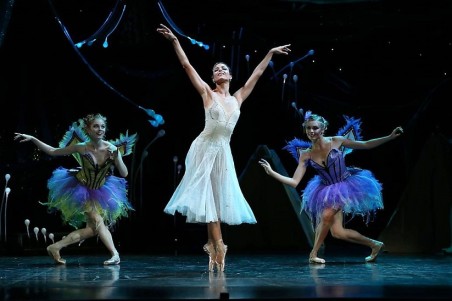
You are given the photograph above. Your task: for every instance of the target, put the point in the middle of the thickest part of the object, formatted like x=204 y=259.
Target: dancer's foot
x=54 y=252
x=316 y=260
x=209 y=248
x=113 y=260
x=220 y=258
x=377 y=247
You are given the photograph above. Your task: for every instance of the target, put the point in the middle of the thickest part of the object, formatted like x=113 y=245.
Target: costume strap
x=125 y=143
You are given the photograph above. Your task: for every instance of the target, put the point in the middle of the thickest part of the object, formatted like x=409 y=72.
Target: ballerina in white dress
x=209 y=191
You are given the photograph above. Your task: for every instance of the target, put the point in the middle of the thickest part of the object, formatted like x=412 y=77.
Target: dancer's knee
x=328 y=216
x=74 y=237
x=337 y=234
x=338 y=231
x=95 y=222
x=327 y=220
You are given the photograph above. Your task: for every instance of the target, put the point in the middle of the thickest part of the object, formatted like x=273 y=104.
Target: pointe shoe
x=316 y=260
x=55 y=254
x=220 y=259
x=113 y=260
x=210 y=250
x=378 y=246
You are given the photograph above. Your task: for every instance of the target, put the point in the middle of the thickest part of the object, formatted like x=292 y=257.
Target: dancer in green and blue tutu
x=91 y=194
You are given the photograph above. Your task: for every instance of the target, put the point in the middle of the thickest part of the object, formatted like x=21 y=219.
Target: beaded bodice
x=220 y=121
x=333 y=169
x=91 y=174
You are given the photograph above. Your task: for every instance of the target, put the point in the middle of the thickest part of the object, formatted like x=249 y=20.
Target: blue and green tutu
x=72 y=199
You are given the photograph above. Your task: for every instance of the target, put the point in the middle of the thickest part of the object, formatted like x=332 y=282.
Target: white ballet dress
x=209 y=191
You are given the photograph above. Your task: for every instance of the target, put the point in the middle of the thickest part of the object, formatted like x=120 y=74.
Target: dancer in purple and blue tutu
x=337 y=189
x=91 y=194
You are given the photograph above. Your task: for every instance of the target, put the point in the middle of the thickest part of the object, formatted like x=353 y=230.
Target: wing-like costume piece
x=351 y=130
x=74 y=135
x=296 y=146
x=125 y=143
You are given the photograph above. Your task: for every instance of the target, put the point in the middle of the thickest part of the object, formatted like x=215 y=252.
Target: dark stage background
x=388 y=62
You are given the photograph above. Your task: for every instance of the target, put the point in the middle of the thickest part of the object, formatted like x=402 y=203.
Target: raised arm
x=372 y=142
x=246 y=90
x=200 y=85
x=48 y=149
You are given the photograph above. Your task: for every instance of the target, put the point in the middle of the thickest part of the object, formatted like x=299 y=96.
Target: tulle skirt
x=209 y=190
x=357 y=195
x=72 y=199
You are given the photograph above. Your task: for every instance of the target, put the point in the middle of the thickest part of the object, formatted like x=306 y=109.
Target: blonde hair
x=314 y=117
x=86 y=121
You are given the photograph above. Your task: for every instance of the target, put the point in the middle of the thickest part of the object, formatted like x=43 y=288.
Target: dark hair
x=217 y=63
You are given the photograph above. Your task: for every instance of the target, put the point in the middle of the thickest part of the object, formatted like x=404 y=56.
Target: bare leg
x=209 y=247
x=339 y=232
x=96 y=222
x=215 y=235
x=71 y=238
x=320 y=234
x=214 y=231
x=107 y=239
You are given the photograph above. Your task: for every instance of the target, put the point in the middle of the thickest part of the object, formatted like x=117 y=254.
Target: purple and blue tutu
x=357 y=194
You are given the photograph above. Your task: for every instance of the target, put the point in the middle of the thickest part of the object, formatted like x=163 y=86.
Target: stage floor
x=247 y=277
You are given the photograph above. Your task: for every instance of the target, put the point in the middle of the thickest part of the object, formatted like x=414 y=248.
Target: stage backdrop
x=280 y=226
x=421 y=222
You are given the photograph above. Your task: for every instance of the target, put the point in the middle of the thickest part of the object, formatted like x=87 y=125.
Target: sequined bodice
x=335 y=170
x=220 y=123
x=92 y=174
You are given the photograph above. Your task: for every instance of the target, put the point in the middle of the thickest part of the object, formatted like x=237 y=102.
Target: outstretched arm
x=48 y=149
x=372 y=142
x=200 y=85
x=245 y=91
x=293 y=181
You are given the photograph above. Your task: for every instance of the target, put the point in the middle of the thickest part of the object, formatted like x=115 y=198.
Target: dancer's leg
x=338 y=231
x=209 y=247
x=321 y=232
x=220 y=248
x=97 y=222
x=71 y=238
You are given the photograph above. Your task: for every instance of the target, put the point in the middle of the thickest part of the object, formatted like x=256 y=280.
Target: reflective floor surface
x=247 y=277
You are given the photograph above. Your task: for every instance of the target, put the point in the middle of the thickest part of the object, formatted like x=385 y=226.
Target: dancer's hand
x=166 y=32
x=113 y=151
x=22 y=137
x=397 y=132
x=266 y=166
x=281 y=49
